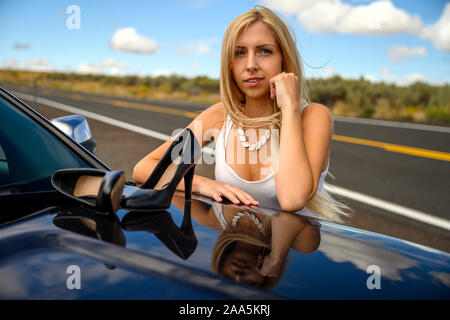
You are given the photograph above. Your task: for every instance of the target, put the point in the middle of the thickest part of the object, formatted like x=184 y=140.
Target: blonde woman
x=272 y=146
x=257 y=256
x=253 y=247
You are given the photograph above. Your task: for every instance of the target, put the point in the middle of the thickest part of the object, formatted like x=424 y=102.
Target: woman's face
x=240 y=264
x=257 y=59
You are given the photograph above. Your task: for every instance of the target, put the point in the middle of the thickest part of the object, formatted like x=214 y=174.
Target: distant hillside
x=419 y=102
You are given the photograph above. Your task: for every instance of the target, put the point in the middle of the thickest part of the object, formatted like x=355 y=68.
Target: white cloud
x=401 y=80
x=167 y=73
x=328 y=72
x=363 y=254
x=107 y=66
x=39 y=64
x=162 y=72
x=189 y=72
x=370 y=77
x=203 y=49
x=85 y=67
x=441 y=277
x=330 y=16
x=439 y=33
x=192 y=50
x=115 y=67
x=288 y=7
x=379 y=18
x=388 y=76
x=128 y=40
x=438 y=82
x=195 y=48
x=35 y=64
x=11 y=64
x=410 y=78
x=401 y=53
x=195 y=3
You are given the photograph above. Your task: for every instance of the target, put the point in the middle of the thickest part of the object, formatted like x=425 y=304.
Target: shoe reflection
x=180 y=240
x=88 y=222
x=92 y=224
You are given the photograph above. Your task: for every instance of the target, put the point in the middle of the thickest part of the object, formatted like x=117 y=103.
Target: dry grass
x=383 y=108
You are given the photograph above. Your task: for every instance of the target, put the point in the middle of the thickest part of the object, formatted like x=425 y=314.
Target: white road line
x=394 y=208
x=394 y=124
x=104 y=119
x=372 y=201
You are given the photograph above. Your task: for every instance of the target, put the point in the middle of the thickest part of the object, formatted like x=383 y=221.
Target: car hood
x=147 y=255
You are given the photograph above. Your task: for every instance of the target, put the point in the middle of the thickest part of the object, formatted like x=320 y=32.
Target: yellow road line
x=418 y=152
x=136 y=105
x=147 y=107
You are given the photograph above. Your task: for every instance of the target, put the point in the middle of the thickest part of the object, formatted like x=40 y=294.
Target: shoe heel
x=177 y=163
x=188 y=178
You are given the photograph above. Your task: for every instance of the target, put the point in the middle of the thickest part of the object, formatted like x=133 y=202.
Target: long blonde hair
x=253 y=237
x=233 y=99
x=231 y=96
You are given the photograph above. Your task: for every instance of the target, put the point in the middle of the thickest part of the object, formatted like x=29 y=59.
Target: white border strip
x=395 y=208
x=394 y=124
x=374 y=202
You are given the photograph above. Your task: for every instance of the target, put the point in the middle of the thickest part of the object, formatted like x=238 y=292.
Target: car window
x=29 y=154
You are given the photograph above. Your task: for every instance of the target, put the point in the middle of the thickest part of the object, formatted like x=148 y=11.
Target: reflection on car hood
x=134 y=257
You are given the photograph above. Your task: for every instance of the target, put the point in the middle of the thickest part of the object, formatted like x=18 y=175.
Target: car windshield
x=29 y=154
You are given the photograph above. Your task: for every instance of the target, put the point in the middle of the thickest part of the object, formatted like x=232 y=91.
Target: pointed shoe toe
x=99 y=189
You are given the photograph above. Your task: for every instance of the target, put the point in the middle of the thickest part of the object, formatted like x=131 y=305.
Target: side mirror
x=77 y=128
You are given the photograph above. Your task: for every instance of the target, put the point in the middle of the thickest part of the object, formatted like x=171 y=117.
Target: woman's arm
x=286 y=227
x=200 y=211
x=304 y=149
x=308 y=240
x=304 y=146
x=202 y=126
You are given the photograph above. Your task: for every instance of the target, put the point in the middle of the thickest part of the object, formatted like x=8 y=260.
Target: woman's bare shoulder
x=317 y=112
x=216 y=110
x=317 y=108
x=213 y=116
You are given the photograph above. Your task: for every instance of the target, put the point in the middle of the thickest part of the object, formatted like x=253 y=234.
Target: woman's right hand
x=217 y=190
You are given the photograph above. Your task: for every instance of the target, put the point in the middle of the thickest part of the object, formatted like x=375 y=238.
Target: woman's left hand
x=283 y=88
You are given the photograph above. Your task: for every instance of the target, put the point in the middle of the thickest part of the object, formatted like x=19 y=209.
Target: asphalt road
x=399 y=174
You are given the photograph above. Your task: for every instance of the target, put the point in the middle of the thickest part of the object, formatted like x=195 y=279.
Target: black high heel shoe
x=177 y=163
x=89 y=223
x=180 y=240
x=95 y=188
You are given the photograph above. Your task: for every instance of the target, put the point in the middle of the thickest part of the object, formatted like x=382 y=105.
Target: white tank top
x=264 y=191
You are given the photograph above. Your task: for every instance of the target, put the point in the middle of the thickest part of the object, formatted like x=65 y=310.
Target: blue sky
x=393 y=41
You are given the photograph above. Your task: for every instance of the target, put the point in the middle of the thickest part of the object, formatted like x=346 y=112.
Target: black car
x=53 y=247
